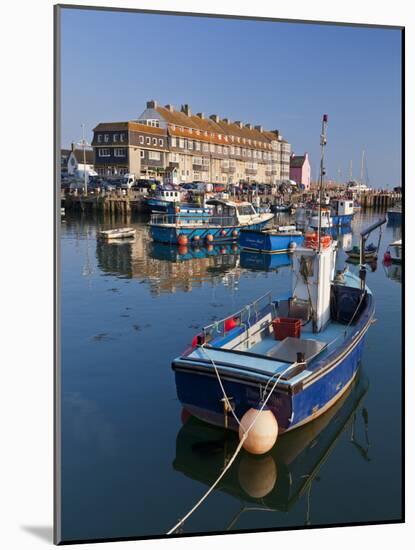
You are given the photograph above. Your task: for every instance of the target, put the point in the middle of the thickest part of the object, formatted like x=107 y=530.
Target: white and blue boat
x=342 y=212
x=222 y=224
x=164 y=200
x=298 y=353
x=271 y=241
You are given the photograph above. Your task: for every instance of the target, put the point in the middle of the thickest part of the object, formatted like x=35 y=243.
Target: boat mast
x=323 y=142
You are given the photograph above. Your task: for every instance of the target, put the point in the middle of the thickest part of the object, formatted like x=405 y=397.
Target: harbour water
x=133 y=463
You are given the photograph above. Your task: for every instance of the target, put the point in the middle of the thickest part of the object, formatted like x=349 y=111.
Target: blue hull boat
x=246 y=365
x=270 y=241
x=223 y=224
x=342 y=220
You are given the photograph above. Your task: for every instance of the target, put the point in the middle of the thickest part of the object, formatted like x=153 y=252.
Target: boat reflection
x=393 y=271
x=277 y=480
x=167 y=269
x=256 y=261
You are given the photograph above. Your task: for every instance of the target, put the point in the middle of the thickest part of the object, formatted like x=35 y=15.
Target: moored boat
x=225 y=220
x=119 y=233
x=393 y=253
x=370 y=252
x=271 y=241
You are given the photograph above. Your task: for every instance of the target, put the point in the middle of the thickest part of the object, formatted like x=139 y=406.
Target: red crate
x=286 y=326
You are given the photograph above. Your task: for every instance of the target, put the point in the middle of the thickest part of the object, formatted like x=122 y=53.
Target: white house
x=76 y=166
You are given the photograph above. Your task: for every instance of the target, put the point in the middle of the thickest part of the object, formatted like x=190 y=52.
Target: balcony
x=228 y=169
x=251 y=171
x=173 y=164
x=201 y=167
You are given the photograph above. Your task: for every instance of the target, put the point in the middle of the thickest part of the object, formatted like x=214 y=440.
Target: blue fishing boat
x=164 y=200
x=271 y=241
x=342 y=211
x=297 y=353
x=223 y=224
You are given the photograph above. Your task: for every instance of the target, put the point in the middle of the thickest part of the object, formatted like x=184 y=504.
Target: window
x=197 y=145
x=99 y=138
x=190 y=144
x=104 y=152
x=190 y=131
x=205 y=147
x=142 y=155
x=212 y=148
x=232 y=150
x=148 y=140
x=225 y=150
x=106 y=138
x=154 y=141
x=220 y=137
x=249 y=152
x=122 y=137
x=119 y=152
x=219 y=148
x=154 y=155
x=161 y=142
x=173 y=142
x=115 y=137
x=141 y=140
x=181 y=143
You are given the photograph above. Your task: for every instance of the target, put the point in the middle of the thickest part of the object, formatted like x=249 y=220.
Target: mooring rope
x=235 y=454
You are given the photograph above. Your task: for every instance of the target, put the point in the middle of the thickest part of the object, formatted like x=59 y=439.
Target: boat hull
x=268 y=243
x=345 y=219
x=170 y=233
x=394 y=217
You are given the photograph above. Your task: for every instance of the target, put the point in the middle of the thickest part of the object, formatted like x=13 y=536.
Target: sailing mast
x=323 y=141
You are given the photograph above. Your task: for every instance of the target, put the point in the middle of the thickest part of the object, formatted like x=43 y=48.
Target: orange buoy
x=263 y=433
x=234 y=233
x=183 y=250
x=209 y=237
x=196 y=238
x=223 y=232
x=209 y=247
x=182 y=239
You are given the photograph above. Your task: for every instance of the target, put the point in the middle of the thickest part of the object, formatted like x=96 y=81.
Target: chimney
x=186 y=110
x=201 y=115
x=239 y=123
x=152 y=104
x=259 y=128
x=72 y=146
x=249 y=126
x=215 y=118
x=169 y=107
x=225 y=120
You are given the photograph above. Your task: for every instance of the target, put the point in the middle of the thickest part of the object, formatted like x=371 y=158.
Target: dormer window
x=99 y=138
x=106 y=138
x=115 y=137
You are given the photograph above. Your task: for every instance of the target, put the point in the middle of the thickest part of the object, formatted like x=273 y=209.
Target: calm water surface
x=133 y=464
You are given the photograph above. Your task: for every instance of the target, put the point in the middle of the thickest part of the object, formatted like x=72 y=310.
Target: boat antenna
x=323 y=141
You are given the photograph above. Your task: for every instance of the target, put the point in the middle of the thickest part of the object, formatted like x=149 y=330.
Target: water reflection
x=277 y=480
x=166 y=268
x=393 y=272
x=264 y=262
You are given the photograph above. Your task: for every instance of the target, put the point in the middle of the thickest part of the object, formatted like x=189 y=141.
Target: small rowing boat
x=120 y=233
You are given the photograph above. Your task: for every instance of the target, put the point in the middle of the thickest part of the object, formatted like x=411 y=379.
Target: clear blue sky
x=281 y=75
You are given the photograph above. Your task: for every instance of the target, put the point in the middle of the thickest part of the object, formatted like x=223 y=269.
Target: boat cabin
x=237 y=212
x=343 y=207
